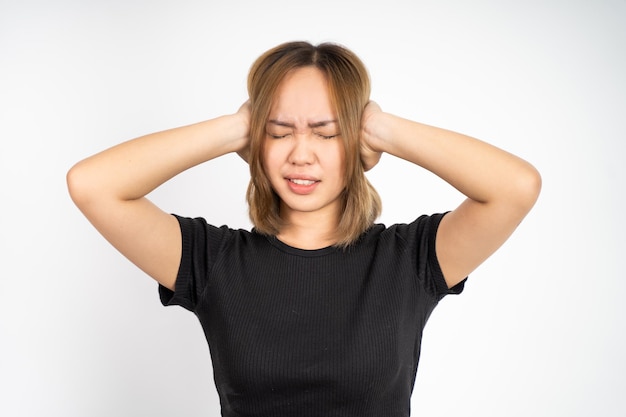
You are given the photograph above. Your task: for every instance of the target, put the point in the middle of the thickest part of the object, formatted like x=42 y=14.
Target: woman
x=316 y=311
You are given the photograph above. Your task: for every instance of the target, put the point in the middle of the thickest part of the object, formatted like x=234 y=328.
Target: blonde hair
x=349 y=88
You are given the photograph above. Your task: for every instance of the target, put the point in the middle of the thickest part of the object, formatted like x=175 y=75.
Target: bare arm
x=500 y=187
x=110 y=188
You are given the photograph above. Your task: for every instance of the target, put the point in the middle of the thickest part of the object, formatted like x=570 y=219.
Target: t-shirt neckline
x=309 y=253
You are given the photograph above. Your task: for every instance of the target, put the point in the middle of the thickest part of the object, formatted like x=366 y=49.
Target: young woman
x=317 y=310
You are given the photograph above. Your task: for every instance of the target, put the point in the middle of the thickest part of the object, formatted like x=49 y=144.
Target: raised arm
x=110 y=188
x=500 y=187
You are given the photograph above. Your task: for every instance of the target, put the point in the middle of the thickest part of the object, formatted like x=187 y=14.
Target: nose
x=302 y=152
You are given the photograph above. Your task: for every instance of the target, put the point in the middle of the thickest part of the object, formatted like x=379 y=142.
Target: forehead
x=303 y=97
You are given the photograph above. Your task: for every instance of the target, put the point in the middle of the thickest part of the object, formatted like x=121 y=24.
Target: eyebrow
x=311 y=125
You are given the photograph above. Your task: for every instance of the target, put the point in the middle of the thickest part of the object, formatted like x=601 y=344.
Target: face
x=303 y=152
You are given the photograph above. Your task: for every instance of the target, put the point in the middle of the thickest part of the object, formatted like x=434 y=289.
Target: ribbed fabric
x=311 y=333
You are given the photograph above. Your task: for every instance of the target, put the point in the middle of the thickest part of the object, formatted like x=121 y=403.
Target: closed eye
x=327 y=136
x=275 y=136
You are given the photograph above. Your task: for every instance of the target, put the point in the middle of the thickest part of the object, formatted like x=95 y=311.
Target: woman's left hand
x=370 y=155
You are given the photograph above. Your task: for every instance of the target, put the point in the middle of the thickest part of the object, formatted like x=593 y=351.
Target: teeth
x=302 y=182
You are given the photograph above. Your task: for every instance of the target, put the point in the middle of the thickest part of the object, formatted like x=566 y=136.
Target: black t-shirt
x=328 y=332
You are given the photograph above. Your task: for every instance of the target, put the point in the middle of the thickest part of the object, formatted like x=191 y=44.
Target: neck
x=309 y=230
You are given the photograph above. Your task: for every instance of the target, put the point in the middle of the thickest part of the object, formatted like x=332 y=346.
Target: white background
x=540 y=328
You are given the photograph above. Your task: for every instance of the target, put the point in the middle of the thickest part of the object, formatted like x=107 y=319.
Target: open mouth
x=302 y=182
x=302 y=186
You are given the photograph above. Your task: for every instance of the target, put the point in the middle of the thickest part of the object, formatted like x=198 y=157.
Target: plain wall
x=539 y=330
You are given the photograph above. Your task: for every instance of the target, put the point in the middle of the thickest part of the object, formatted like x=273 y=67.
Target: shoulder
x=197 y=233
x=200 y=225
x=400 y=241
x=419 y=230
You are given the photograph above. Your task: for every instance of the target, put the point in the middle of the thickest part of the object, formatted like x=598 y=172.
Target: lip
x=302 y=189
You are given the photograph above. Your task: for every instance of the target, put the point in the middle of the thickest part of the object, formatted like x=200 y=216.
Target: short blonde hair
x=349 y=88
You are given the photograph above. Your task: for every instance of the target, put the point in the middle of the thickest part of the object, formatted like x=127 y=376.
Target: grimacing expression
x=303 y=152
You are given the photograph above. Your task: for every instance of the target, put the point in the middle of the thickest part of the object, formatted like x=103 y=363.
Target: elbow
x=78 y=185
x=527 y=188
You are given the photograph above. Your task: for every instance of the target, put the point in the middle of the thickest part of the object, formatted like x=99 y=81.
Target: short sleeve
x=422 y=235
x=201 y=243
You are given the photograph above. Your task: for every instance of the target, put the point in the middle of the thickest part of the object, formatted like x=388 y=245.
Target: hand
x=244 y=114
x=369 y=154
